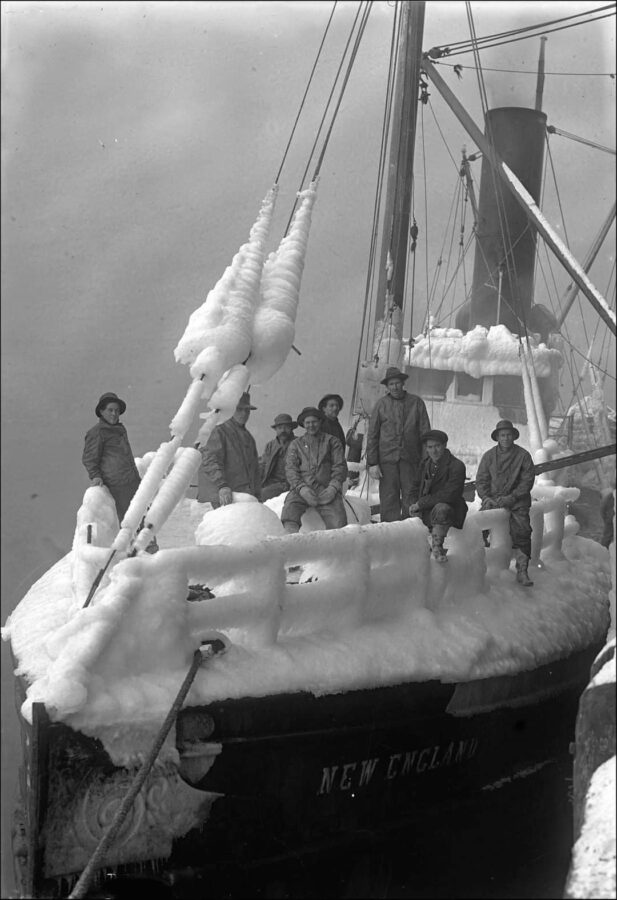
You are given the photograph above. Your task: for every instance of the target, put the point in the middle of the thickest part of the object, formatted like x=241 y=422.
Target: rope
x=278 y=174
x=528 y=71
x=325 y=113
x=96 y=860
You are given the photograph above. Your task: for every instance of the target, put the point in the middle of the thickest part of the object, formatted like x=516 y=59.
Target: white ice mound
x=238 y=523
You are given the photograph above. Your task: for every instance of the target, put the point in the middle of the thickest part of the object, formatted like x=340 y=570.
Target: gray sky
x=138 y=141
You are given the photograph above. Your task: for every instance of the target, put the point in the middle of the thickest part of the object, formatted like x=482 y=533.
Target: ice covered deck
x=371 y=608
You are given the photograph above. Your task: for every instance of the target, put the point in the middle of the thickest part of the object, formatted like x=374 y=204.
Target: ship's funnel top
x=503 y=281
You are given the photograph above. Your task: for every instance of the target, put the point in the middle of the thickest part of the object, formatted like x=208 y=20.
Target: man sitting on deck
x=272 y=462
x=437 y=491
x=504 y=480
x=316 y=470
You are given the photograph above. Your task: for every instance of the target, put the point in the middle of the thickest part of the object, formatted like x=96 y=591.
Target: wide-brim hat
x=284 y=419
x=393 y=372
x=309 y=411
x=245 y=402
x=435 y=435
x=502 y=425
x=109 y=398
x=336 y=397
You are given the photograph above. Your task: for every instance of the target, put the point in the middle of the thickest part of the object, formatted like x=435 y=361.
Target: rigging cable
x=394 y=45
x=278 y=174
x=323 y=118
x=573 y=137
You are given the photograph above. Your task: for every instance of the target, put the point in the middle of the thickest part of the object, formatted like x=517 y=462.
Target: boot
x=437 y=547
x=522 y=561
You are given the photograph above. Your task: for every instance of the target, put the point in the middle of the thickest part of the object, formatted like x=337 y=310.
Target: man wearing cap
x=229 y=460
x=437 y=491
x=272 y=462
x=107 y=455
x=394 y=445
x=504 y=480
x=316 y=470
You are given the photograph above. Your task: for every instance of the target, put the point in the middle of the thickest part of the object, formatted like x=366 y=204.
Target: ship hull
x=281 y=777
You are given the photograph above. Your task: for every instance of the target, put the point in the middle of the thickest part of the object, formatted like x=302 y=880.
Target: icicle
x=170 y=493
x=149 y=484
x=274 y=323
x=223 y=324
x=533 y=428
x=189 y=407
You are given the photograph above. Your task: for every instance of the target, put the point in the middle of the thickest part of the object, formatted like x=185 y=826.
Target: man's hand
x=96 y=482
x=414 y=510
x=225 y=496
x=327 y=495
x=489 y=503
x=374 y=471
x=308 y=495
x=506 y=502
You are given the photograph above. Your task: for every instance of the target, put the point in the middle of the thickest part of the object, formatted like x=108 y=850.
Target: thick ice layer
x=377 y=611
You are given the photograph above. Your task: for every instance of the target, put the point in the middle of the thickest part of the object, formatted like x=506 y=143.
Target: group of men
x=418 y=475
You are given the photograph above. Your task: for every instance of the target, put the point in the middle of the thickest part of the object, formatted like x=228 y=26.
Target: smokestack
x=506 y=243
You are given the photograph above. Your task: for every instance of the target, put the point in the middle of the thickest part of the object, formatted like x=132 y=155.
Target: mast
x=395 y=240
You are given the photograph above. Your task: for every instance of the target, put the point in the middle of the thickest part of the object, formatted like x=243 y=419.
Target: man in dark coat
x=229 y=460
x=272 y=463
x=316 y=470
x=437 y=492
x=330 y=406
x=504 y=480
x=107 y=455
x=394 y=445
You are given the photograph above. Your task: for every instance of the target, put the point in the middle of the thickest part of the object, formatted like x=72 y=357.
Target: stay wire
x=540 y=33
x=302 y=102
x=325 y=113
x=367 y=309
x=542 y=26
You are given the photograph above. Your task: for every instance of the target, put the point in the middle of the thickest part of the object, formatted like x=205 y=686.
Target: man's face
x=331 y=409
x=505 y=438
x=312 y=425
x=111 y=413
x=242 y=414
x=435 y=450
x=283 y=432
x=395 y=388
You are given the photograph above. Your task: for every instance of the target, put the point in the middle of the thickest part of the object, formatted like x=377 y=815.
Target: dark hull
x=302 y=775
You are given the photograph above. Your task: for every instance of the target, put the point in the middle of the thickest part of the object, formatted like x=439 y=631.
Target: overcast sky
x=138 y=142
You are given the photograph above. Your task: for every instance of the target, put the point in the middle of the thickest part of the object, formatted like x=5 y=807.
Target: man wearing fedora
x=504 y=480
x=107 y=455
x=229 y=460
x=437 y=491
x=272 y=462
x=394 y=445
x=330 y=406
x=316 y=470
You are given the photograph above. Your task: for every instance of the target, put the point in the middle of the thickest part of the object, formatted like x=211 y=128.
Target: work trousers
x=273 y=489
x=333 y=514
x=123 y=494
x=441 y=515
x=395 y=490
x=520 y=529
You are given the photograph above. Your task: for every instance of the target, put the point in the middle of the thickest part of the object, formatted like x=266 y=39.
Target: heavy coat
x=515 y=480
x=272 y=462
x=229 y=459
x=395 y=430
x=324 y=467
x=108 y=455
x=333 y=427
x=446 y=486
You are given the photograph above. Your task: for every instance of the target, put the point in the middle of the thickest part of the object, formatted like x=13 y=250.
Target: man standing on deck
x=437 y=492
x=272 y=463
x=229 y=460
x=504 y=480
x=394 y=445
